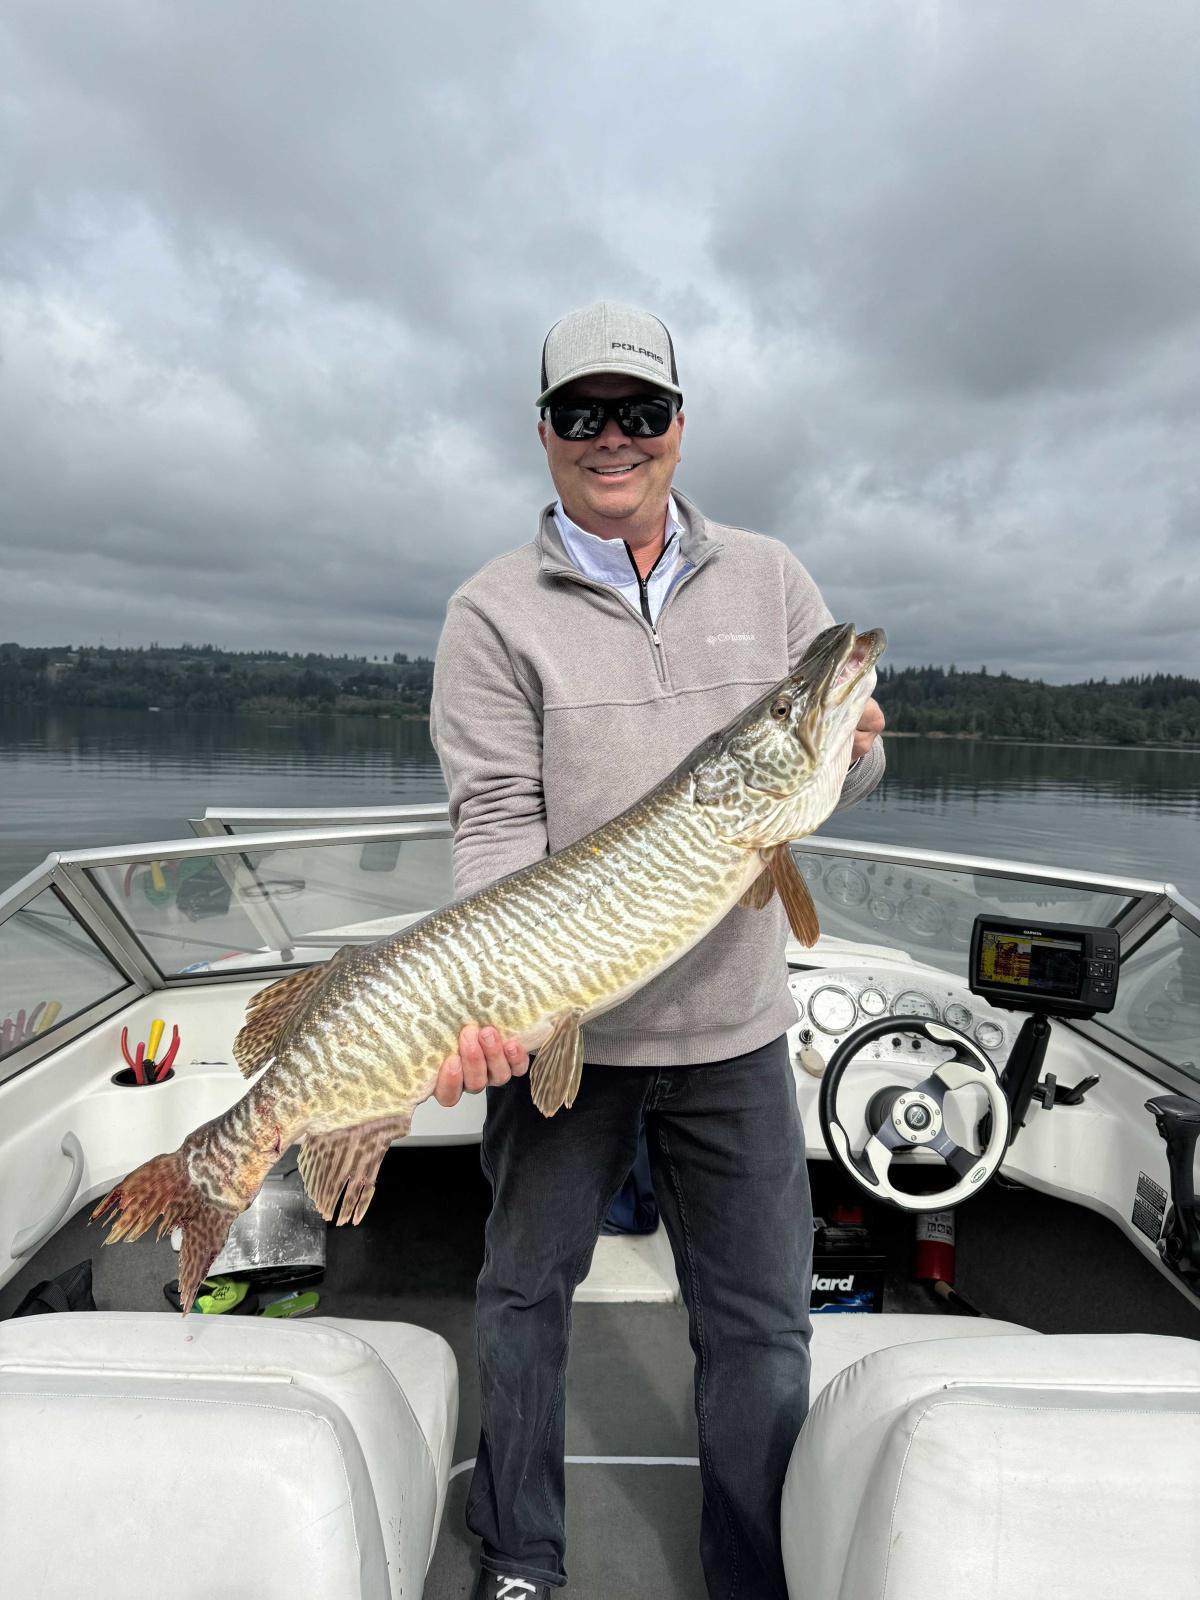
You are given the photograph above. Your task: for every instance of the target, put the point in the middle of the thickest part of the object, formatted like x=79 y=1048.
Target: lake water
x=73 y=778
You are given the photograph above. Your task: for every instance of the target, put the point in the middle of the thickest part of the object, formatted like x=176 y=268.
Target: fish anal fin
x=271 y=1011
x=346 y=1163
x=558 y=1066
x=793 y=891
x=758 y=896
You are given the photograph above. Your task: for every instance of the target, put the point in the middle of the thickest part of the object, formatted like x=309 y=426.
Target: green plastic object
x=292 y=1305
x=225 y=1294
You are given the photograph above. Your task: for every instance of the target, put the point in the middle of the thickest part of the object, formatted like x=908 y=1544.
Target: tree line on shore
x=204 y=678
x=1159 y=708
x=1155 y=709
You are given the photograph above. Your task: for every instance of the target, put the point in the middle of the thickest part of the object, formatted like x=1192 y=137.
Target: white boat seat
x=1064 y=1465
x=840 y=1338
x=221 y=1455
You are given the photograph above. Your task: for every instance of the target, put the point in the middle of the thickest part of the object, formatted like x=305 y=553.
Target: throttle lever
x=1178 y=1121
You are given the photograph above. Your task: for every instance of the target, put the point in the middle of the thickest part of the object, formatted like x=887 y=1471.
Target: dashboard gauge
x=810 y=866
x=846 y=884
x=990 y=1035
x=912 y=1003
x=1161 y=1016
x=881 y=908
x=922 y=915
x=957 y=1016
x=833 y=1010
x=873 y=1002
x=1185 y=1004
x=961 y=929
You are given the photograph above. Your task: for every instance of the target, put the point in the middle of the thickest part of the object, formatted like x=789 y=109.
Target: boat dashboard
x=832 y=1001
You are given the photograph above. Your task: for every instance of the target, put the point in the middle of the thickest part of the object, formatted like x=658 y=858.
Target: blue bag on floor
x=635 y=1210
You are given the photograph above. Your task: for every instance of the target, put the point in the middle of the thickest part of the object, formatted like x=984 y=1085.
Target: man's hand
x=480 y=1060
x=869 y=728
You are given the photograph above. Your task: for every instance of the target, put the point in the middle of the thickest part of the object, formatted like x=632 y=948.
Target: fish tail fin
x=557 y=1068
x=163 y=1188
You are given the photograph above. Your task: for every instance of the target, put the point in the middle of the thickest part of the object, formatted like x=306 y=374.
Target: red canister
x=933 y=1257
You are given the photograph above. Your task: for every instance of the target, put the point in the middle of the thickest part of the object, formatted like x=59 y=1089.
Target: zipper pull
x=654 y=636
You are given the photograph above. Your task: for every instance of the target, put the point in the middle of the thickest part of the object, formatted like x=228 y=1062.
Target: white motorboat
x=1036 y=1428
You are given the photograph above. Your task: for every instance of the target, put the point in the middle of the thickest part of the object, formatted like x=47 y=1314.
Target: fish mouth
x=845 y=660
x=861 y=652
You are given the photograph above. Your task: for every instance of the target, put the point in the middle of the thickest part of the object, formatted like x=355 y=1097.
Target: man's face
x=610 y=481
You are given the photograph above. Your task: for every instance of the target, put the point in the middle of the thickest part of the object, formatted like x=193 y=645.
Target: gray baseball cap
x=608 y=338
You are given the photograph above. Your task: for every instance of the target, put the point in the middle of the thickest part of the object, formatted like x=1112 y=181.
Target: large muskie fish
x=355 y=1044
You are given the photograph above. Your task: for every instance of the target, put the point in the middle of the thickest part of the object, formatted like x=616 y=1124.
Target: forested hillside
x=203 y=678
x=1159 y=709
x=1152 y=710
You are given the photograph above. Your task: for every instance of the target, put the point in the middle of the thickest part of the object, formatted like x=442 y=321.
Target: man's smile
x=615 y=472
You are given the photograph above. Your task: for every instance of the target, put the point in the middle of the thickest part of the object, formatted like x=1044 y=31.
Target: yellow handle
x=47 y=1017
x=156 y=1033
x=158 y=877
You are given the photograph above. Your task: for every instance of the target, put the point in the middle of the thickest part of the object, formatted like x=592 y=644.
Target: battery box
x=847 y=1272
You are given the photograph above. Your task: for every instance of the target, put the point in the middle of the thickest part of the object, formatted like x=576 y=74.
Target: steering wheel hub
x=917 y=1117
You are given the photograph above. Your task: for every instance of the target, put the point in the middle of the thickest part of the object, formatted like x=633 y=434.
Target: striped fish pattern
x=351 y=1047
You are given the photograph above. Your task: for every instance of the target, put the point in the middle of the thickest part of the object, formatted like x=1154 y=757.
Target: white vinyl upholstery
x=1000 y=1468
x=221 y=1455
x=840 y=1338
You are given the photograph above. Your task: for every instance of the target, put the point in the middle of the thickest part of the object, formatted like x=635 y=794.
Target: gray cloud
x=273 y=287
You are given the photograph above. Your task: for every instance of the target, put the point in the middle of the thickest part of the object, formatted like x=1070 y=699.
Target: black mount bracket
x=1051 y=1093
x=1019 y=1079
x=1021 y=1075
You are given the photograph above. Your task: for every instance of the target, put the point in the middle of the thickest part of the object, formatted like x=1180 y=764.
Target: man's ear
x=542 y=431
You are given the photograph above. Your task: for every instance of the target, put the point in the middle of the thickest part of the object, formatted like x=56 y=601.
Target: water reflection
x=940 y=770
x=1133 y=813
x=70 y=778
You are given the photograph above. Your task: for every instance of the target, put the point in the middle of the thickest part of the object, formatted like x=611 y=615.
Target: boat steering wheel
x=900 y=1118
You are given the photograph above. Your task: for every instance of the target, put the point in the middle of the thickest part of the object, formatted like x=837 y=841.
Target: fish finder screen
x=1036 y=963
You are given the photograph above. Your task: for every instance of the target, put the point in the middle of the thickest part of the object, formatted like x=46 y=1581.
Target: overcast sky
x=274 y=282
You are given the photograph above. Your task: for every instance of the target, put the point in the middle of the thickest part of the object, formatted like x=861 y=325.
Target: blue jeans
x=727 y=1156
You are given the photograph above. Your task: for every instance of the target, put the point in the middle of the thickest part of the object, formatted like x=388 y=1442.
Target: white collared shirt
x=608 y=561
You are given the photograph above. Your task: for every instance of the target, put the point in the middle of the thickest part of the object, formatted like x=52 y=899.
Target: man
x=572 y=674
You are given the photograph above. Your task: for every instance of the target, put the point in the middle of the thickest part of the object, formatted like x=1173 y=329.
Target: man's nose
x=610 y=435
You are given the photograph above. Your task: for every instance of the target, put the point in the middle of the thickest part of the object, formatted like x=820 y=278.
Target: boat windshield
x=1158 y=997
x=92 y=929
x=923 y=910
x=289 y=903
x=52 y=970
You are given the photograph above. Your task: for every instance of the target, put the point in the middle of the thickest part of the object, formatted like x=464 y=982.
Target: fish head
x=775 y=773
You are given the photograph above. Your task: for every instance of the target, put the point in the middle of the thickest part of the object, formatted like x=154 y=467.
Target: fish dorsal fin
x=758 y=896
x=558 y=1065
x=272 y=1010
x=793 y=891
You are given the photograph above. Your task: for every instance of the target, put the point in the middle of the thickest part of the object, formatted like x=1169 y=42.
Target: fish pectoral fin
x=793 y=891
x=558 y=1066
x=758 y=896
x=271 y=1011
x=348 y=1159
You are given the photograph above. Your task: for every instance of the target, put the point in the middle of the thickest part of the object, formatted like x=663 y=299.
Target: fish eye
x=781 y=708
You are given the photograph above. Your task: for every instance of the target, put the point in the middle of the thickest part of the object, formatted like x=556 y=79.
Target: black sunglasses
x=643 y=416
